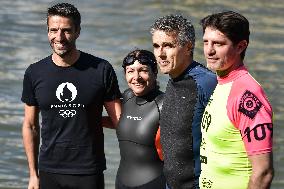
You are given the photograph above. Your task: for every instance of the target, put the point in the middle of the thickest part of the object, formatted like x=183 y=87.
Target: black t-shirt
x=71 y=103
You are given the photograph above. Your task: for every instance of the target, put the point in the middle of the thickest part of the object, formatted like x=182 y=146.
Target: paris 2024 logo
x=66 y=93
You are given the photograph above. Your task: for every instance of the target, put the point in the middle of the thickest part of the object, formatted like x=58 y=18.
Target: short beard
x=62 y=54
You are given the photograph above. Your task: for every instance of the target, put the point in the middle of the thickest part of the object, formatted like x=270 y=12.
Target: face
x=62 y=35
x=221 y=54
x=171 y=58
x=140 y=78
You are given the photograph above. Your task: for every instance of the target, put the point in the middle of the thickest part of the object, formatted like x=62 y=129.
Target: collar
x=140 y=100
x=185 y=72
x=233 y=75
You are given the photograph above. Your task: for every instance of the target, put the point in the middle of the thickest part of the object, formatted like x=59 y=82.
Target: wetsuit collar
x=140 y=100
x=184 y=73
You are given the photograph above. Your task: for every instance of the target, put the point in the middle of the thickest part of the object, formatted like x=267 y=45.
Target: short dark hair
x=65 y=10
x=234 y=25
x=177 y=24
x=137 y=54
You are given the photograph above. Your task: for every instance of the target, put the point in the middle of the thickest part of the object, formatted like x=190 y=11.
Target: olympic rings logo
x=67 y=113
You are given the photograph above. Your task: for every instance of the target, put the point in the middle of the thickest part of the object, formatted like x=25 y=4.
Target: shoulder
x=39 y=66
x=43 y=62
x=91 y=59
x=203 y=75
x=205 y=79
x=95 y=64
x=159 y=99
x=248 y=97
x=246 y=83
x=127 y=94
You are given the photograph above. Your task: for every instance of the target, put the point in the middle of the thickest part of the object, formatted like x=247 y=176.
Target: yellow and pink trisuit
x=236 y=124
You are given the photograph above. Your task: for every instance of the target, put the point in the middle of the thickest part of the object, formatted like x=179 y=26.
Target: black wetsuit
x=140 y=165
x=184 y=102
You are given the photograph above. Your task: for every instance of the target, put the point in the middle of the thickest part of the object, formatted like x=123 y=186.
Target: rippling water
x=110 y=29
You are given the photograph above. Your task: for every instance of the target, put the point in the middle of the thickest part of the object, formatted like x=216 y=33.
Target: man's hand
x=33 y=182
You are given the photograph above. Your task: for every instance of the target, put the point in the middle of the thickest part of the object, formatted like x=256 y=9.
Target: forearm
x=113 y=109
x=262 y=171
x=107 y=122
x=31 y=145
x=261 y=181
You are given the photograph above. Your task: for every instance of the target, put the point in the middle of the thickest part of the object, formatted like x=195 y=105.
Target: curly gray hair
x=177 y=24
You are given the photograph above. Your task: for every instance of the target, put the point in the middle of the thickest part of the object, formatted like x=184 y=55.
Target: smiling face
x=140 y=78
x=171 y=57
x=62 y=35
x=221 y=54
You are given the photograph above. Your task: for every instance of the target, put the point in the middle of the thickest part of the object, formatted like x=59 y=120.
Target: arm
x=262 y=171
x=255 y=124
x=30 y=133
x=107 y=122
x=113 y=109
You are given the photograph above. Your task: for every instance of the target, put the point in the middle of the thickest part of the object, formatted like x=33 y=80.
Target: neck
x=224 y=73
x=182 y=68
x=67 y=60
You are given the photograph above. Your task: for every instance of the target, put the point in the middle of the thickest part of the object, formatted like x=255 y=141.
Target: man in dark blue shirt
x=188 y=91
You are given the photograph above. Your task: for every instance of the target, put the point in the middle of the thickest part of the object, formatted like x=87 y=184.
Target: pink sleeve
x=251 y=113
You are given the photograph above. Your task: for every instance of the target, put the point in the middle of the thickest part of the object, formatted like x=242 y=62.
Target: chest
x=68 y=88
x=139 y=123
x=216 y=125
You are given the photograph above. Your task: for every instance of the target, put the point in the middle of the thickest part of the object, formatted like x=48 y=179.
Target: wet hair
x=144 y=57
x=65 y=10
x=234 y=25
x=176 y=24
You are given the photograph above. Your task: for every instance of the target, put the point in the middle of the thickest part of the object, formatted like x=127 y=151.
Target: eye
x=145 y=70
x=67 y=31
x=155 y=45
x=129 y=71
x=169 y=45
x=218 y=43
x=53 y=30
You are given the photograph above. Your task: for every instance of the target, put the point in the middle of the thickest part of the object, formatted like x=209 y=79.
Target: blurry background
x=110 y=29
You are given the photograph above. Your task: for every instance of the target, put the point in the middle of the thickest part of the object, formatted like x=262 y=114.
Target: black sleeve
x=112 y=91
x=28 y=93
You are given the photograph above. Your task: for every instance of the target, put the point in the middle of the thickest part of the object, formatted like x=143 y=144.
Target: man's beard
x=65 y=52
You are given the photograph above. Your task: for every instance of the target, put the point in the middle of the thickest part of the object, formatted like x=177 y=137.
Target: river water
x=110 y=29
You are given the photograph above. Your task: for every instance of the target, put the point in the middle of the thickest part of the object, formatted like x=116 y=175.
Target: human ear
x=188 y=48
x=242 y=45
x=78 y=30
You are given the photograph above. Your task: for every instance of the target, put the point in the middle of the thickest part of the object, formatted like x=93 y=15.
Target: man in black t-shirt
x=69 y=88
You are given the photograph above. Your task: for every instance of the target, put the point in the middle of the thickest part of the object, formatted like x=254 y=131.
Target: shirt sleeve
x=251 y=113
x=28 y=93
x=112 y=91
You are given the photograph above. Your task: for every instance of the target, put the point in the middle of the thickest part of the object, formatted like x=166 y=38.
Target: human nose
x=59 y=35
x=210 y=49
x=136 y=75
x=161 y=52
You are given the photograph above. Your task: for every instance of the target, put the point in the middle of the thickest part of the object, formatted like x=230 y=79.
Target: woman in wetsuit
x=140 y=165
